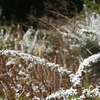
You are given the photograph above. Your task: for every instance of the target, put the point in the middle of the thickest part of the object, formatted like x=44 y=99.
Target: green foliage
x=1 y=94
x=92 y=6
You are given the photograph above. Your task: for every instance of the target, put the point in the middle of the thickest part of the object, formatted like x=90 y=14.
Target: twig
x=60 y=15
x=21 y=93
x=4 y=90
x=85 y=52
x=89 y=51
x=48 y=25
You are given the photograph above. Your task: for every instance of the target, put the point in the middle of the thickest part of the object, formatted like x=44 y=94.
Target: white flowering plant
x=46 y=65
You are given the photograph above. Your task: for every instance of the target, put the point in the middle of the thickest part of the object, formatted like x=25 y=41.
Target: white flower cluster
x=36 y=98
x=34 y=59
x=90 y=93
x=23 y=74
x=29 y=40
x=17 y=89
x=62 y=93
x=76 y=78
x=72 y=92
x=11 y=62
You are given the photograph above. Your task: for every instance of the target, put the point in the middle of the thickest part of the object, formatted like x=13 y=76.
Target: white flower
x=28 y=94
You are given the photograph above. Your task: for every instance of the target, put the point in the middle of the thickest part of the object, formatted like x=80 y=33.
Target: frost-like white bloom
x=36 y=89
x=82 y=97
x=30 y=66
x=17 y=95
x=62 y=93
x=29 y=40
x=16 y=90
x=92 y=22
x=2 y=32
x=30 y=32
x=11 y=62
x=63 y=70
x=74 y=46
x=23 y=74
x=28 y=94
x=34 y=59
x=49 y=49
x=76 y=78
x=36 y=98
x=19 y=86
x=92 y=93
x=7 y=35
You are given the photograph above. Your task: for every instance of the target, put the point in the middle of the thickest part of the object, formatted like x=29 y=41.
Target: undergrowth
x=46 y=65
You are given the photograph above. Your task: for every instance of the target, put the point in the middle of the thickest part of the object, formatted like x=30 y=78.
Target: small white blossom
x=28 y=94
x=36 y=98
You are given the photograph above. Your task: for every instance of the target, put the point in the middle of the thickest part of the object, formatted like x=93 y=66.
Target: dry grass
x=23 y=79
x=41 y=82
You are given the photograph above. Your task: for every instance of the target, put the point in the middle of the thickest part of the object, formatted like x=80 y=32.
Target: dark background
x=19 y=9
